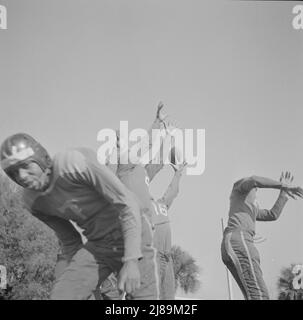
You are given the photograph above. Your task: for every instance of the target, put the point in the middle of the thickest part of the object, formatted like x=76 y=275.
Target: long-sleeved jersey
x=161 y=218
x=90 y=195
x=162 y=238
x=243 y=214
x=157 y=161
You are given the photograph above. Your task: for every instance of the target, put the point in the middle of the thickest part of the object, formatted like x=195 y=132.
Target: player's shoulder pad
x=239 y=182
x=73 y=160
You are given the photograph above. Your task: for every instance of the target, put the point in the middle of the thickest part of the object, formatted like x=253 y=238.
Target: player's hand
x=160 y=114
x=292 y=191
x=129 y=277
x=168 y=123
x=180 y=168
x=286 y=178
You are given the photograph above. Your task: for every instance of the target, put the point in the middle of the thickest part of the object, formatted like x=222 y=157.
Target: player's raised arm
x=291 y=190
x=173 y=189
x=247 y=184
x=275 y=212
x=147 y=140
x=167 y=127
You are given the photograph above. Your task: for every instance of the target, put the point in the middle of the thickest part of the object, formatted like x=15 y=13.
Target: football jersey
x=162 y=236
x=243 y=214
x=90 y=195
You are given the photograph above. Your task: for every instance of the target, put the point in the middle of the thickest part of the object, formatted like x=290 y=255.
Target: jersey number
x=297 y=281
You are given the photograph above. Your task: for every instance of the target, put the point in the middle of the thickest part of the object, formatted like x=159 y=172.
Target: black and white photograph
x=151 y=150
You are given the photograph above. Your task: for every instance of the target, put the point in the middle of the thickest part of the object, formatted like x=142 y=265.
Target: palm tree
x=186 y=270
x=285 y=285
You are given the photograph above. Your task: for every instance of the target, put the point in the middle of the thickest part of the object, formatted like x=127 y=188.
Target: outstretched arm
x=275 y=212
x=153 y=168
x=247 y=184
x=167 y=128
x=147 y=141
x=285 y=184
x=173 y=188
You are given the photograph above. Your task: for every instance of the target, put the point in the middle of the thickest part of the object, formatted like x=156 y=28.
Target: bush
x=28 y=248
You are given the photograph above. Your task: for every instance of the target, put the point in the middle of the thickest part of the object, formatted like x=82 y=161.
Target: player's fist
x=129 y=277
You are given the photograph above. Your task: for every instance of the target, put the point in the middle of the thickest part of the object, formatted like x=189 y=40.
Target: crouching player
x=73 y=186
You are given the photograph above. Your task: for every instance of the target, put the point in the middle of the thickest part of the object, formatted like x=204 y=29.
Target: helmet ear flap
x=42 y=157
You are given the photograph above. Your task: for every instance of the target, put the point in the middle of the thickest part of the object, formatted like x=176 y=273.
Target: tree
x=286 y=285
x=186 y=270
x=28 y=248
